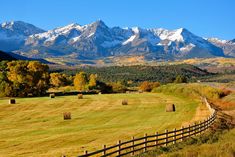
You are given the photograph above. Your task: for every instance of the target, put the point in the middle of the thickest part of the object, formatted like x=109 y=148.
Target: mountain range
x=97 y=40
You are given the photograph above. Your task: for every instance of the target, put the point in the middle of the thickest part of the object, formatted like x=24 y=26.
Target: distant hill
x=12 y=56
x=6 y=56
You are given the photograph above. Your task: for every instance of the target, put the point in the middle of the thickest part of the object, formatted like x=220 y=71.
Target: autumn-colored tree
x=80 y=81
x=118 y=87
x=148 y=86
x=58 y=80
x=28 y=77
x=40 y=77
x=145 y=86
x=92 y=81
x=155 y=84
x=5 y=84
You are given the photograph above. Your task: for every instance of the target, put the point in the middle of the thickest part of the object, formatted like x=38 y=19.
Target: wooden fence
x=142 y=144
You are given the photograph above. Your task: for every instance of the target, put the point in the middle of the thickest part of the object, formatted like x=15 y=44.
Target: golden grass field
x=35 y=126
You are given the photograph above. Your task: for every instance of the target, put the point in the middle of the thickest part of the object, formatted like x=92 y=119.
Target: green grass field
x=35 y=126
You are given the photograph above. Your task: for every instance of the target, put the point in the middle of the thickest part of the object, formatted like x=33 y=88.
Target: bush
x=118 y=87
x=148 y=86
x=180 y=79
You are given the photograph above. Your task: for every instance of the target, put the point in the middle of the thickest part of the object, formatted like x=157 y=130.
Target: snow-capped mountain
x=14 y=33
x=98 y=40
x=228 y=46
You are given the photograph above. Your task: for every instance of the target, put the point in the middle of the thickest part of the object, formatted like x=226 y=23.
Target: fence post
x=156 y=142
x=195 y=128
x=182 y=133
x=119 y=147
x=85 y=152
x=145 y=142
x=199 y=127
x=209 y=122
x=166 y=140
x=204 y=125
x=104 y=152
x=174 y=140
x=133 y=147
x=189 y=130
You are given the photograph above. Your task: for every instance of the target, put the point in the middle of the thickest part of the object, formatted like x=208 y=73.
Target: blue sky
x=207 y=18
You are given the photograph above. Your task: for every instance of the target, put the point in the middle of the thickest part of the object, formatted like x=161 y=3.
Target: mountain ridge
x=97 y=40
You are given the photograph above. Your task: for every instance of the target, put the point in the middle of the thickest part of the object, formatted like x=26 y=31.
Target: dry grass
x=34 y=126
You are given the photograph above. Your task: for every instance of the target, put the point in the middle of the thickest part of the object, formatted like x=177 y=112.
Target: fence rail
x=142 y=144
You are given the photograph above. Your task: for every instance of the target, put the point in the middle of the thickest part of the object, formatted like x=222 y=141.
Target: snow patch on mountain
x=217 y=40
x=129 y=40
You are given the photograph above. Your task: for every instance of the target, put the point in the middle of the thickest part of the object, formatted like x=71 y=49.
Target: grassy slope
x=34 y=126
x=224 y=147
x=217 y=144
x=220 y=143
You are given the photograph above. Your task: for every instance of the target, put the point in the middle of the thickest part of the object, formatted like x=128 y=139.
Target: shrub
x=148 y=86
x=180 y=79
x=118 y=87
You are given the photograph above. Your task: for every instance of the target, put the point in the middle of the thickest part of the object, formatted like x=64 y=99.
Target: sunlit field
x=35 y=126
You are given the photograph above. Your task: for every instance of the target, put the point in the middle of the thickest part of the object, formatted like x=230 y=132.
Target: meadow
x=35 y=126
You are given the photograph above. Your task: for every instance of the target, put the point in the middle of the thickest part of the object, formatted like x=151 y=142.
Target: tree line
x=32 y=78
x=140 y=73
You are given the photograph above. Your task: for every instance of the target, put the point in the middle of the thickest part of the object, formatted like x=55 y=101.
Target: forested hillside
x=138 y=73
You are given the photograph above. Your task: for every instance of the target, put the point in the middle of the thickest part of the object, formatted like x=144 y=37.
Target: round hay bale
x=52 y=95
x=80 y=96
x=30 y=94
x=170 y=108
x=100 y=93
x=124 y=102
x=12 y=101
x=67 y=115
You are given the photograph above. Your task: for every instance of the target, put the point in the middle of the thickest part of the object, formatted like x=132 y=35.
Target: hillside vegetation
x=140 y=73
x=193 y=90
